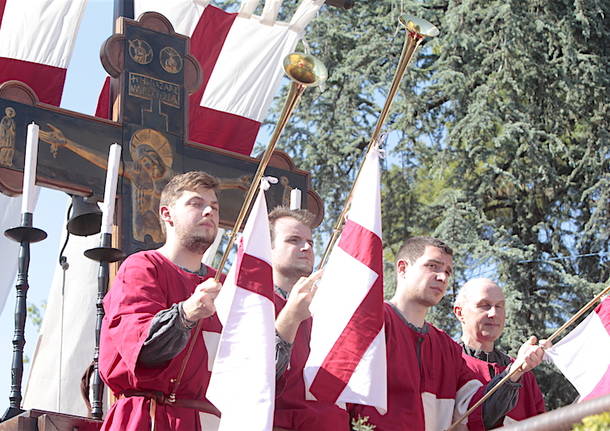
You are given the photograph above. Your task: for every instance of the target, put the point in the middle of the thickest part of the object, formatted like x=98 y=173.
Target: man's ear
x=401 y=267
x=165 y=214
x=457 y=310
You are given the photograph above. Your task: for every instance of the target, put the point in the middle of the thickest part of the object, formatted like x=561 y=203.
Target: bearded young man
x=292 y=260
x=480 y=306
x=156 y=299
x=429 y=383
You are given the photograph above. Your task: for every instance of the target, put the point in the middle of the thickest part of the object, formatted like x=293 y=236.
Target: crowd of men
x=159 y=296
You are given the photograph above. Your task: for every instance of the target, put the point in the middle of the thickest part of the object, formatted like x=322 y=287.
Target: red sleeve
x=136 y=296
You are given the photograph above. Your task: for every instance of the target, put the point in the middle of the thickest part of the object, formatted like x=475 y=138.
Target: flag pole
x=417 y=30
x=555 y=334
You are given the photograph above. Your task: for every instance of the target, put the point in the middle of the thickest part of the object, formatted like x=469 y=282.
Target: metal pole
x=104 y=254
x=102 y=287
x=123 y=8
x=25 y=235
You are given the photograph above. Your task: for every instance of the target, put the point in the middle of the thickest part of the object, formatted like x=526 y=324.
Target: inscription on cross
x=152 y=75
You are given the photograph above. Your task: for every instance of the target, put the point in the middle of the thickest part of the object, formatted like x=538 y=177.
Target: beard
x=299 y=269
x=196 y=242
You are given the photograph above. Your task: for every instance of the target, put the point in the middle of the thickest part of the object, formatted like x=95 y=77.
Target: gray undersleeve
x=283 y=349
x=167 y=337
x=501 y=402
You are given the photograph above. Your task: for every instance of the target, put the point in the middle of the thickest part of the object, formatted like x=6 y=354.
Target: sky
x=83 y=81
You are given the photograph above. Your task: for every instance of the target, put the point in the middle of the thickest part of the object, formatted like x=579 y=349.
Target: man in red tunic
x=429 y=384
x=480 y=308
x=156 y=299
x=292 y=260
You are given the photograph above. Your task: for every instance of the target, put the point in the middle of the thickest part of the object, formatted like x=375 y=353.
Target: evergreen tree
x=527 y=135
x=500 y=145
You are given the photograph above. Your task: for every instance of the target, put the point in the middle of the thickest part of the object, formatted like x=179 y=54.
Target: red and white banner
x=347 y=362
x=242 y=385
x=241 y=56
x=36 y=42
x=583 y=355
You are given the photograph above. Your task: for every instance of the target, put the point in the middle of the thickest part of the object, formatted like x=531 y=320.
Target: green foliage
x=600 y=422
x=35 y=314
x=500 y=145
x=362 y=424
x=529 y=137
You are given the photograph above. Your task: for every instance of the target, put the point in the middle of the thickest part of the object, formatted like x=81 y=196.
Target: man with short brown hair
x=292 y=261
x=157 y=298
x=187 y=181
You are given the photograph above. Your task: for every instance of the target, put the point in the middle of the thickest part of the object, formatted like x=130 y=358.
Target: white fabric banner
x=350 y=290
x=44 y=32
x=183 y=14
x=9 y=250
x=252 y=54
x=242 y=385
x=31 y=30
x=252 y=57
x=583 y=355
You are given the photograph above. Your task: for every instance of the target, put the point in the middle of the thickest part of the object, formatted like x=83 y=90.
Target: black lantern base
x=105 y=254
x=25 y=234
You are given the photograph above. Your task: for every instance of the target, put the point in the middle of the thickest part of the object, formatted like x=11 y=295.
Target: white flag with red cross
x=347 y=363
x=242 y=385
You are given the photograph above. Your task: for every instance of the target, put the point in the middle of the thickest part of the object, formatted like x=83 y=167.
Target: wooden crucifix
x=152 y=75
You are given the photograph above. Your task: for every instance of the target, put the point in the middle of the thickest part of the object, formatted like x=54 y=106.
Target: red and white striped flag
x=241 y=57
x=36 y=42
x=347 y=362
x=583 y=355
x=242 y=385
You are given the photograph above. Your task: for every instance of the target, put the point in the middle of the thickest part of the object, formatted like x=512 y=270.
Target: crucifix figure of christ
x=152 y=75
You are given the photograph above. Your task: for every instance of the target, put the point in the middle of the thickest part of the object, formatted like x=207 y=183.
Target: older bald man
x=480 y=308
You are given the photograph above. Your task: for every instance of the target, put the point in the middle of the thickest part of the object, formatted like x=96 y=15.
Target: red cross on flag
x=347 y=362
x=242 y=385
